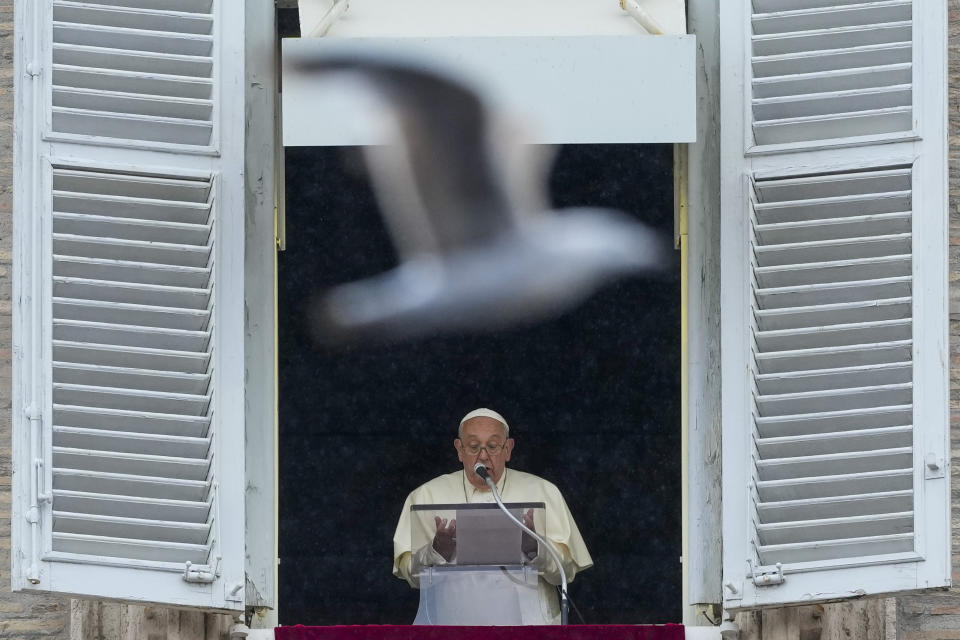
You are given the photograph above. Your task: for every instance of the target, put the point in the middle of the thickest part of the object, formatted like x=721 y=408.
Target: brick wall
x=21 y=616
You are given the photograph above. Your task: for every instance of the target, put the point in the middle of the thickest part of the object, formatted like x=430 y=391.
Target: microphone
x=481 y=471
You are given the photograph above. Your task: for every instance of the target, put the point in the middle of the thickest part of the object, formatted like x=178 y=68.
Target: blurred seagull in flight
x=466 y=207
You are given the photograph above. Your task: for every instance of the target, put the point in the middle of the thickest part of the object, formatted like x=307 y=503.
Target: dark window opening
x=593 y=399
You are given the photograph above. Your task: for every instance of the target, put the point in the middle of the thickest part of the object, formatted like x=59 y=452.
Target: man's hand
x=528 y=545
x=445 y=540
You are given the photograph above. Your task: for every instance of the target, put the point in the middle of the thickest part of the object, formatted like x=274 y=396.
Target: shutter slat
x=135 y=82
x=133 y=272
x=834 y=228
x=835 y=357
x=837 y=528
x=830 y=250
x=133 y=314
x=834 y=292
x=131 y=228
x=839 y=378
x=834 y=335
x=835 y=464
x=140 y=399
x=831 y=16
x=832 y=38
x=825 y=208
x=834 y=549
x=124 y=484
x=132 y=39
x=822 y=81
x=131 y=250
x=122 y=377
x=815 y=444
x=834 y=271
x=772 y=6
x=132 y=549
x=141 y=18
x=148 y=128
x=81 y=101
x=188 y=6
x=129 y=442
x=834 y=399
x=843 y=484
x=827 y=314
x=829 y=421
x=849 y=58
x=132 y=528
x=130 y=336
x=830 y=103
x=122 y=60
x=131 y=293
x=110 y=505
x=835 y=125
x=130 y=356
x=131 y=207
x=160 y=424
x=132 y=190
x=132 y=464
x=837 y=506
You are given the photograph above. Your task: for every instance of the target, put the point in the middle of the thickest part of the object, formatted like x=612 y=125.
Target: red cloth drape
x=407 y=632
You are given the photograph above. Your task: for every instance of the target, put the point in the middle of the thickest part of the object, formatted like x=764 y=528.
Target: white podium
x=489 y=578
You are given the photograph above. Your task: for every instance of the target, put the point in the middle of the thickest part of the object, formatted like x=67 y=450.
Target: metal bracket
x=766 y=576
x=234 y=592
x=201 y=573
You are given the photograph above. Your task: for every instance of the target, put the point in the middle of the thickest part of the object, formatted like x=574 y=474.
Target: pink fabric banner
x=408 y=632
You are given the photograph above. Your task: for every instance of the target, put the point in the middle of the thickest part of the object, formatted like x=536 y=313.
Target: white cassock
x=514 y=486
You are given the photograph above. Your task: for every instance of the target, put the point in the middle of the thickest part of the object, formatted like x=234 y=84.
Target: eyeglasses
x=474 y=448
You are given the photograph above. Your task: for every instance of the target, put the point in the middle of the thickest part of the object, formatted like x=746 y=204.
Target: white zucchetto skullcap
x=487 y=413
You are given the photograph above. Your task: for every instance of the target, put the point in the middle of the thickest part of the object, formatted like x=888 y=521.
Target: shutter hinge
x=33 y=69
x=766 y=576
x=201 y=573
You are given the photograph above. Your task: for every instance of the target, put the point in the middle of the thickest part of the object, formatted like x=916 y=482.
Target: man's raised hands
x=445 y=540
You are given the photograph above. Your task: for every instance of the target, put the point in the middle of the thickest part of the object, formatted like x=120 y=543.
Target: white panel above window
x=134 y=72
x=831 y=70
x=835 y=406
x=474 y=18
x=552 y=90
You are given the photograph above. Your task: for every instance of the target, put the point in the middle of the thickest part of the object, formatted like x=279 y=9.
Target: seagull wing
x=441 y=187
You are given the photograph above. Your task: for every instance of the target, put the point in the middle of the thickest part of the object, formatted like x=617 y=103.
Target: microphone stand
x=564 y=603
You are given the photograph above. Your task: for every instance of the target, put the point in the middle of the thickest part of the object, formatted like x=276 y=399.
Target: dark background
x=592 y=397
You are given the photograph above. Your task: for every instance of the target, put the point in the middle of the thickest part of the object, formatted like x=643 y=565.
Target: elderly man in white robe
x=484 y=436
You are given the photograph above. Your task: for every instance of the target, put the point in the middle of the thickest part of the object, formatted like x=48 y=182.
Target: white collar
x=470 y=490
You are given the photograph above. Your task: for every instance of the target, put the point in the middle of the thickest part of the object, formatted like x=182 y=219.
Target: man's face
x=479 y=438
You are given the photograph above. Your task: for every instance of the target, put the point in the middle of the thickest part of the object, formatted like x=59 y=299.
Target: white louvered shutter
x=128 y=380
x=834 y=287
